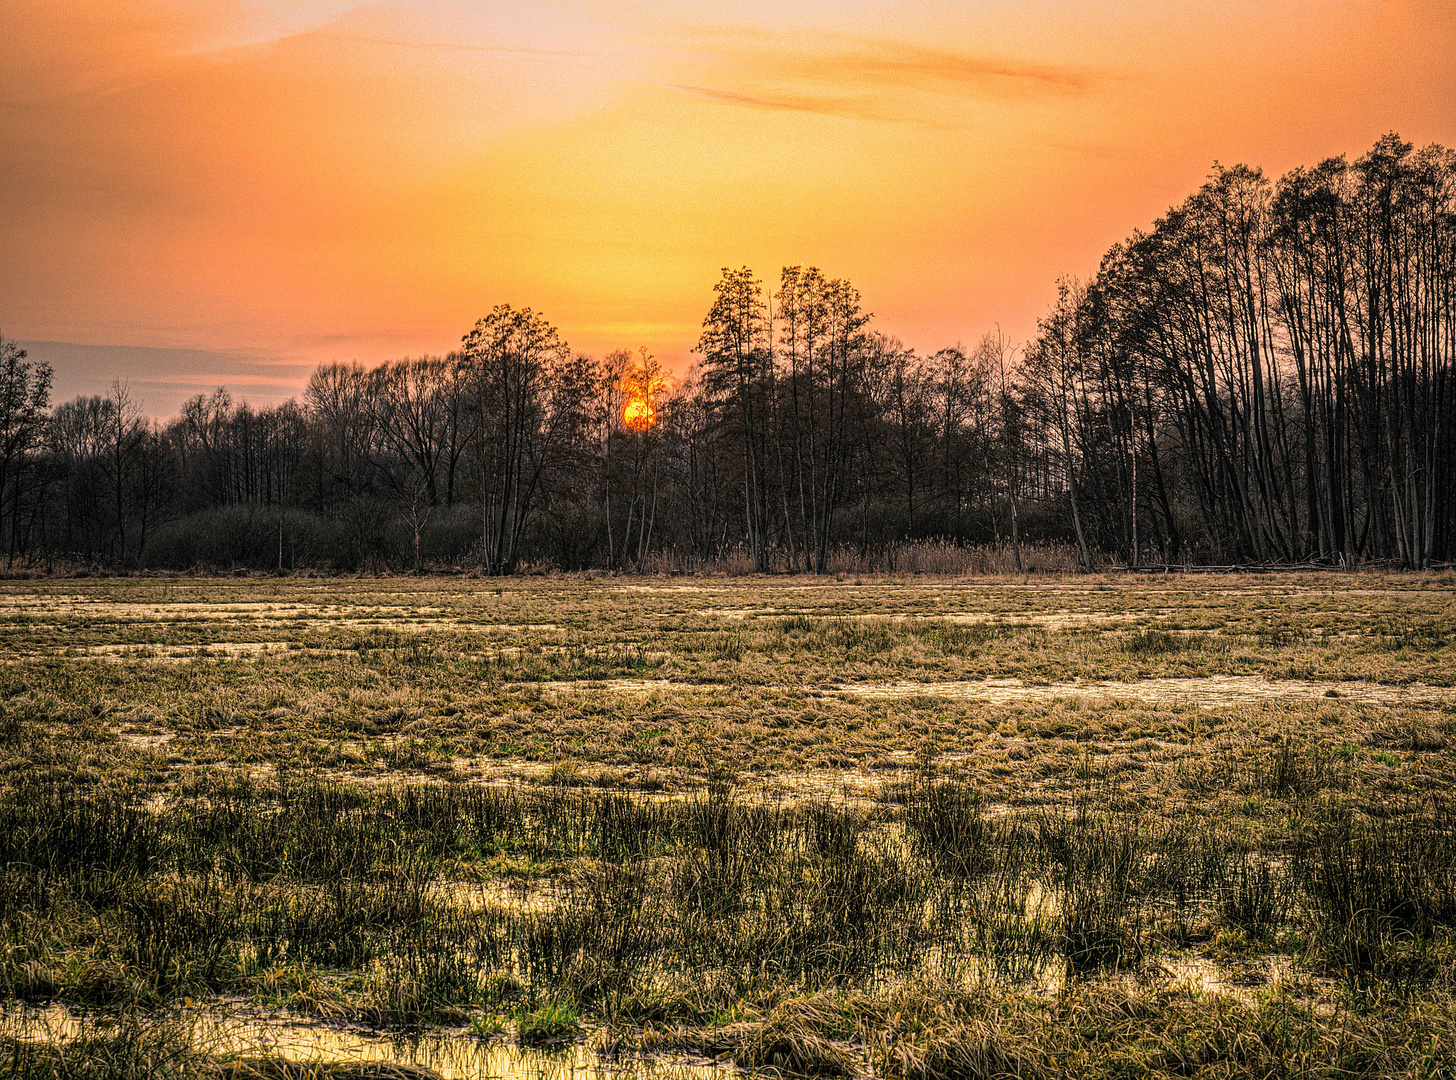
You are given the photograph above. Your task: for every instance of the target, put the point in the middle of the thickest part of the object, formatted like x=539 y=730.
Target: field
x=911 y=827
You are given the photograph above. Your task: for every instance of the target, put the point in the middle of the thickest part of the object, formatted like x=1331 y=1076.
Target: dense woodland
x=1266 y=375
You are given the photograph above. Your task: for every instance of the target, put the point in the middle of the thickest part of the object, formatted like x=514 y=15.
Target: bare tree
x=531 y=396
x=24 y=396
x=737 y=352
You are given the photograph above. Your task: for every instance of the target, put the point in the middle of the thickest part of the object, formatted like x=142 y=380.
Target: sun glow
x=639 y=414
x=641 y=384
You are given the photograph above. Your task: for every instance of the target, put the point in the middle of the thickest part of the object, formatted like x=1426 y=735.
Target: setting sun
x=639 y=414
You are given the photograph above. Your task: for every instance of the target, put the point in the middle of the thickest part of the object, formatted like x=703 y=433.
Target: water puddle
x=613 y=686
x=511 y=895
x=216 y=650
x=144 y=740
x=1208 y=691
x=67 y=604
x=1202 y=975
x=1061 y=619
x=733 y=613
x=452 y=1055
x=176 y=654
x=298 y=616
x=676 y=588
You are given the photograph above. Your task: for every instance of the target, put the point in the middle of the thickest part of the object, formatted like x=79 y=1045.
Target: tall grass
x=673 y=911
x=1380 y=893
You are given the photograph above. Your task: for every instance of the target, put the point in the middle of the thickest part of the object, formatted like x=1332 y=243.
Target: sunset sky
x=197 y=193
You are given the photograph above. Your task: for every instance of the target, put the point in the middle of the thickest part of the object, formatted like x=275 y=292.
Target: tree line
x=1264 y=375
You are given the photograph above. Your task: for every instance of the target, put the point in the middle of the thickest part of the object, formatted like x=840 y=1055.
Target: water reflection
x=453 y=1055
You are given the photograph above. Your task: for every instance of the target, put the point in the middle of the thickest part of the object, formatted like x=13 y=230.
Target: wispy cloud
x=824 y=106
x=872 y=79
x=916 y=67
x=451 y=46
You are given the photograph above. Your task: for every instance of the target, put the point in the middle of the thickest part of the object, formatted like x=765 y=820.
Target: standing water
x=451 y=1055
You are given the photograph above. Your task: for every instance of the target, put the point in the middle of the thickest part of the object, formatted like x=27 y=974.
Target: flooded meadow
x=908 y=827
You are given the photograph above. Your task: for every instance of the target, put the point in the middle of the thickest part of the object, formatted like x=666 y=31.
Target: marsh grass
x=129 y=1046
x=1293 y=769
x=680 y=912
x=1160 y=643
x=1253 y=895
x=236 y=877
x=1382 y=893
x=550 y=1023
x=651 y=821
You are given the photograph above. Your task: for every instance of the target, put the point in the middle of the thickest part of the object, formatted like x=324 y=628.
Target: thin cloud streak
x=859 y=81
x=163 y=378
x=894 y=63
x=453 y=46
x=861 y=60
x=840 y=107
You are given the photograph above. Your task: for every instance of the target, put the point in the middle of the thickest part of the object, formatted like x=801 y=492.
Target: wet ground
x=450 y=1054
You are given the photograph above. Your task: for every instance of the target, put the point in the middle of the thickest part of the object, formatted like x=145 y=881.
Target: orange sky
x=271 y=183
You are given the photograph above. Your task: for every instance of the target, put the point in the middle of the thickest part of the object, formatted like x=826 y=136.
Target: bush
x=241 y=537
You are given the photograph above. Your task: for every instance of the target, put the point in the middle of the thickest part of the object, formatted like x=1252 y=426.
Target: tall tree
x=529 y=393
x=25 y=388
x=736 y=346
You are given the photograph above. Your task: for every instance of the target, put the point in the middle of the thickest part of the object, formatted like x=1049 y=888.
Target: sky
x=228 y=193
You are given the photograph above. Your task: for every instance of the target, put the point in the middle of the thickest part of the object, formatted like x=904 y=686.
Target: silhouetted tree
x=25 y=388
x=1265 y=373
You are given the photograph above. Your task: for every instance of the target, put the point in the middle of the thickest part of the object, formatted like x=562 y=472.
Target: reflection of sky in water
x=453 y=1056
